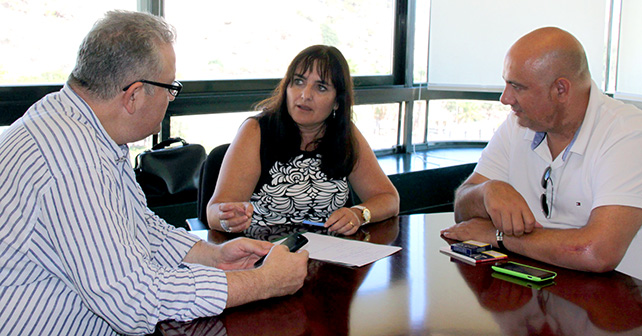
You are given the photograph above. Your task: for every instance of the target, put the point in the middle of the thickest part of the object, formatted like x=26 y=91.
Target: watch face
x=366 y=214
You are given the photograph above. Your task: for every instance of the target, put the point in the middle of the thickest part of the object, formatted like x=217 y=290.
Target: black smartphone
x=524 y=271
x=294 y=242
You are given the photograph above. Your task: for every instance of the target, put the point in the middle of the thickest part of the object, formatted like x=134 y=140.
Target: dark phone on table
x=293 y=242
x=524 y=271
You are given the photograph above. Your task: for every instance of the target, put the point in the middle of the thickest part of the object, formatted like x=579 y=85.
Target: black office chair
x=208 y=176
x=430 y=190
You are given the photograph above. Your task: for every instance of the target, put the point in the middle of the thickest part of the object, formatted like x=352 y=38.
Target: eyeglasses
x=547 y=197
x=174 y=88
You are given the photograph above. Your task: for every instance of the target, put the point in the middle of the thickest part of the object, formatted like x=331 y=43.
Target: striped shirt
x=80 y=252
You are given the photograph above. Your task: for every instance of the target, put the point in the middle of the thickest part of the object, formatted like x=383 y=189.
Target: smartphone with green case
x=524 y=271
x=522 y=282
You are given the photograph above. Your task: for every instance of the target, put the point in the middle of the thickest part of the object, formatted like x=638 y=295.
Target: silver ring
x=224 y=225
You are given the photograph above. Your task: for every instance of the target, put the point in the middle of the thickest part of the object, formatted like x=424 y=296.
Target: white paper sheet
x=345 y=251
x=337 y=250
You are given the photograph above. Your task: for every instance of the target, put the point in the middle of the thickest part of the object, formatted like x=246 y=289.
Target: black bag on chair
x=170 y=174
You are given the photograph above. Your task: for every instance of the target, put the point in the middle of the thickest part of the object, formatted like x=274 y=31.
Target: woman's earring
x=334 y=113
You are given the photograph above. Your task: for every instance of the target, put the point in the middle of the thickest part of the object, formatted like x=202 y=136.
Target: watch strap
x=362 y=208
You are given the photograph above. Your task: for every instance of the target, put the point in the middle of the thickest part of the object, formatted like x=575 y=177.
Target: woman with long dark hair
x=297 y=159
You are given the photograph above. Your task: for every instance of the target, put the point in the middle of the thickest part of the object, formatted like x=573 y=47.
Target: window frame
x=224 y=96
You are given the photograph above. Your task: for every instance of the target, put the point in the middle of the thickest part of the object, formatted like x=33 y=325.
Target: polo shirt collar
x=582 y=135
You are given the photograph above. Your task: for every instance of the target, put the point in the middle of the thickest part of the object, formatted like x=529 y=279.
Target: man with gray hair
x=81 y=252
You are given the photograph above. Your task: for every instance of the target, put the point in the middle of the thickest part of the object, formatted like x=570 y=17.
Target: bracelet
x=499 y=236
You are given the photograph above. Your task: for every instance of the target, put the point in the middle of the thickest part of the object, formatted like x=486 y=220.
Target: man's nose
x=506 y=98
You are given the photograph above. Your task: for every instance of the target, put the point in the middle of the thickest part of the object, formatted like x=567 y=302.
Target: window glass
x=209 y=130
x=258 y=39
x=40 y=38
x=464 y=120
x=422 y=24
x=378 y=124
x=138 y=147
x=464 y=52
x=419 y=122
x=629 y=74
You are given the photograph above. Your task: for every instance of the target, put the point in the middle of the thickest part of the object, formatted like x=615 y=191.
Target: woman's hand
x=235 y=217
x=345 y=221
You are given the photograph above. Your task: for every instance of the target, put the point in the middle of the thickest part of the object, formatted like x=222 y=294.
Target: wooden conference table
x=419 y=291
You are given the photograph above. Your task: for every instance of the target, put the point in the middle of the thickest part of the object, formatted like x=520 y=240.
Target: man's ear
x=131 y=95
x=562 y=88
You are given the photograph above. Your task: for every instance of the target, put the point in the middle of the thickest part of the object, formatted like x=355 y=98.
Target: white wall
x=469 y=38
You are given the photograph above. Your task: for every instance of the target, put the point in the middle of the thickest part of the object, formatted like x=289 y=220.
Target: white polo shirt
x=601 y=166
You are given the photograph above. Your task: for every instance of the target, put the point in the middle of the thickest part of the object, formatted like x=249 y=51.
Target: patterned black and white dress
x=288 y=193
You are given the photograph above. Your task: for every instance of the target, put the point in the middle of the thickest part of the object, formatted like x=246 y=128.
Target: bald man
x=561 y=179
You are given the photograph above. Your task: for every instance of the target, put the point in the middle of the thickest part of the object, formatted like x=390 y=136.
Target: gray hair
x=121 y=48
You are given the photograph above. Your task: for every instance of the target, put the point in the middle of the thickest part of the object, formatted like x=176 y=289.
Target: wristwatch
x=499 y=235
x=365 y=213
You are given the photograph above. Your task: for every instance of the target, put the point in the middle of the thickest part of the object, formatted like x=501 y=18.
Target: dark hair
x=121 y=48
x=338 y=145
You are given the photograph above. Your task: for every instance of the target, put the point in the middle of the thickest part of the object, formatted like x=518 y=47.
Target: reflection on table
x=420 y=291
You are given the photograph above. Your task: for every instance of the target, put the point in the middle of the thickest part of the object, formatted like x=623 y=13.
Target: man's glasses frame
x=174 y=88
x=547 y=201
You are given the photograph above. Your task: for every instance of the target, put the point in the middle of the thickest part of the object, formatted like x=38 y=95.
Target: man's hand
x=285 y=270
x=282 y=273
x=507 y=209
x=241 y=253
x=480 y=197
x=478 y=229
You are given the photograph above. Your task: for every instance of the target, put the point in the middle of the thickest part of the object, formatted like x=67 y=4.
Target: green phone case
x=522 y=282
x=525 y=271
